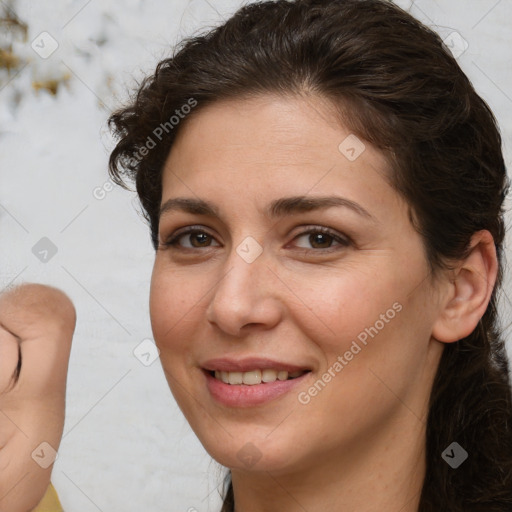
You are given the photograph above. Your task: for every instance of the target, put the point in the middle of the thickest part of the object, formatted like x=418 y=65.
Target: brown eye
x=195 y=239
x=321 y=238
x=202 y=239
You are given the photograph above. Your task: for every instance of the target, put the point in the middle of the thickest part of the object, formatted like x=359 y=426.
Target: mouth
x=253 y=381
x=255 y=377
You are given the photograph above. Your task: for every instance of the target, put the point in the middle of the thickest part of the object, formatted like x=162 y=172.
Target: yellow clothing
x=50 y=502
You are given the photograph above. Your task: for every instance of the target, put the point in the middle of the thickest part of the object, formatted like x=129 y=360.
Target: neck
x=384 y=472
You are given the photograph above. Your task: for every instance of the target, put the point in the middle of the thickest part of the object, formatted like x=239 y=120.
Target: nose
x=247 y=297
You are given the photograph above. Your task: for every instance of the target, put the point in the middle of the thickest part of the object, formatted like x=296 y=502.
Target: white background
x=126 y=444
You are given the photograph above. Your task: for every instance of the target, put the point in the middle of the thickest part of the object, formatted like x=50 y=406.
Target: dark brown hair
x=398 y=87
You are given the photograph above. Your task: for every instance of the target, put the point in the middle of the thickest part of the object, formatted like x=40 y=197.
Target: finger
x=44 y=365
x=9 y=360
x=43 y=318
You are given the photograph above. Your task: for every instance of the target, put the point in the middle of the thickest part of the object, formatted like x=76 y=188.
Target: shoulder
x=50 y=502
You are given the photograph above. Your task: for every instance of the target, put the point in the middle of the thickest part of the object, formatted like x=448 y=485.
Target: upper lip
x=247 y=364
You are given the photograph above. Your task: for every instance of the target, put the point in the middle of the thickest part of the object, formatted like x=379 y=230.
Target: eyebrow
x=277 y=208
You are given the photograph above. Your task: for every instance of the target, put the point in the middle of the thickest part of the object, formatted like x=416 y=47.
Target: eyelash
x=343 y=241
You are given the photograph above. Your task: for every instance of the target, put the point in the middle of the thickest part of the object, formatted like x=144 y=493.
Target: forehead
x=266 y=145
x=294 y=129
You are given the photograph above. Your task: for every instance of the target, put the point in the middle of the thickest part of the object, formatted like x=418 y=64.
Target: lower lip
x=247 y=396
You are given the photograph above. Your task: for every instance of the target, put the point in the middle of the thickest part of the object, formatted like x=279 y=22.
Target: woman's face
x=284 y=248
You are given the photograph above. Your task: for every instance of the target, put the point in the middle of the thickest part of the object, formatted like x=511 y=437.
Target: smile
x=251 y=381
x=254 y=377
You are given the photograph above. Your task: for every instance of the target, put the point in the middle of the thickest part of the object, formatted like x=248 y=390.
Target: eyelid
x=342 y=239
x=172 y=240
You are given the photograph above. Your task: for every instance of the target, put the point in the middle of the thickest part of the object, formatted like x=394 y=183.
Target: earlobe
x=469 y=291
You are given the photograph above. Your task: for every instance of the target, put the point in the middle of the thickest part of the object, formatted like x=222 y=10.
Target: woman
x=324 y=190
x=325 y=195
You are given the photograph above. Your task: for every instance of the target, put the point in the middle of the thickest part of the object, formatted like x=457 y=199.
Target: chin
x=246 y=453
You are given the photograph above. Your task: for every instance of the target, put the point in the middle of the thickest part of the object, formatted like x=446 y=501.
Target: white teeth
x=255 y=376
x=236 y=377
x=269 y=375
x=223 y=376
x=252 y=378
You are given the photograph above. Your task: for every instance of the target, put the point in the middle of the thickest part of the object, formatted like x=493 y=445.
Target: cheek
x=176 y=310
x=373 y=336
x=336 y=307
x=366 y=333
x=174 y=302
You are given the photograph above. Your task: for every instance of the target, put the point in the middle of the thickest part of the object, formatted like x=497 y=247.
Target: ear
x=469 y=291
